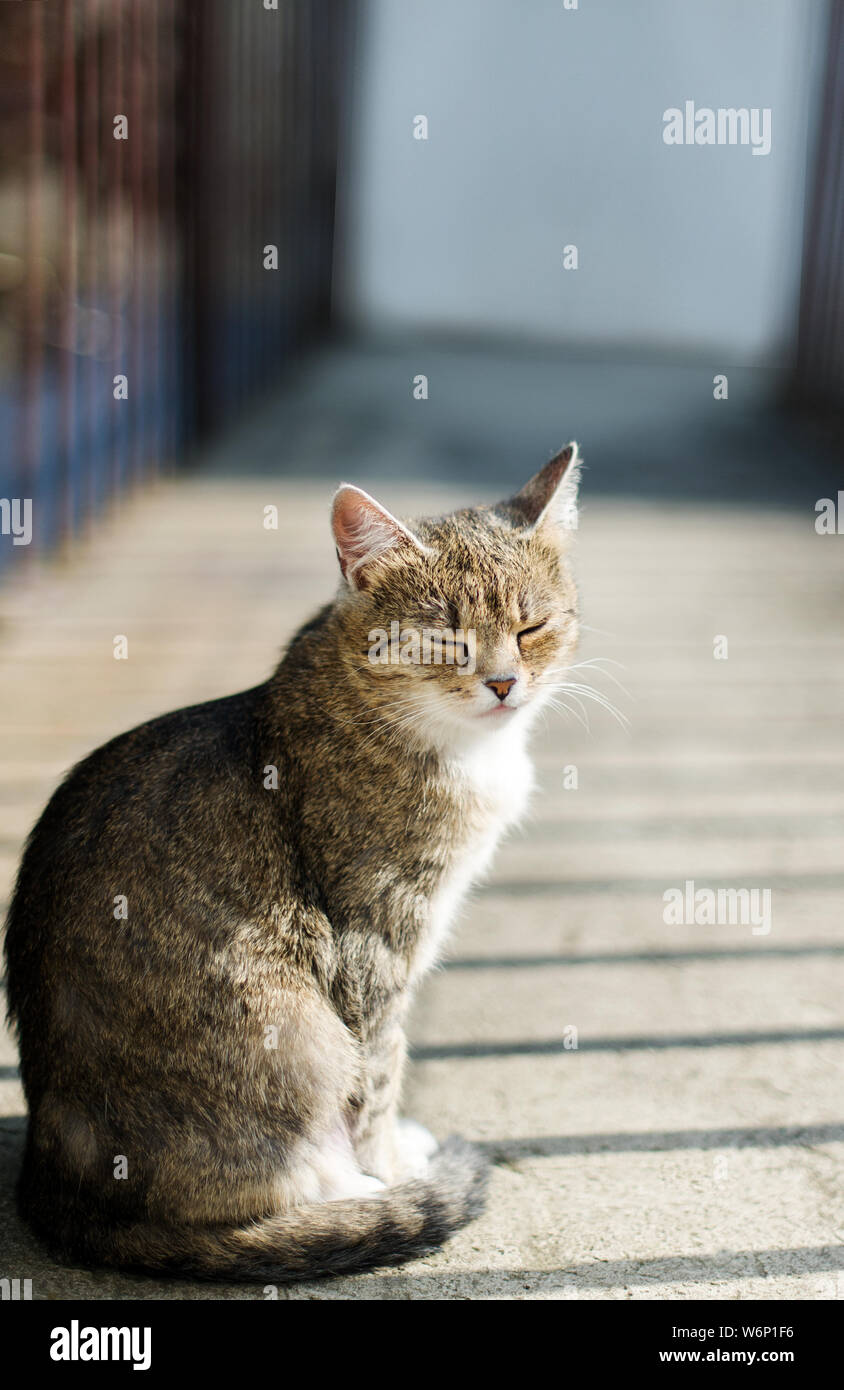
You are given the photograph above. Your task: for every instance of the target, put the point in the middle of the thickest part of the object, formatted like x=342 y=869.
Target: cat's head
x=457 y=627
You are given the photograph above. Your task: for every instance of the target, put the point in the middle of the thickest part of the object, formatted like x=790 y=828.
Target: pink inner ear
x=346 y=528
x=362 y=531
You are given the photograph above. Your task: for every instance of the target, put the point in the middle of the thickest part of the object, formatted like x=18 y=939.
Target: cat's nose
x=501 y=685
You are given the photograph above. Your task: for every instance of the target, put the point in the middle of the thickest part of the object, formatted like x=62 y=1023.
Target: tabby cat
x=221 y=916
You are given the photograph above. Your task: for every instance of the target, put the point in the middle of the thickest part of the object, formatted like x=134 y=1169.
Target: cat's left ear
x=550 y=498
x=365 y=533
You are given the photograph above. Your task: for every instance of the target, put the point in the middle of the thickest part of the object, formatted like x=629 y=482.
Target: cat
x=221 y=916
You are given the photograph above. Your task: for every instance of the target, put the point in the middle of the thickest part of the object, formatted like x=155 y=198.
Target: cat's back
x=197 y=758
x=155 y=816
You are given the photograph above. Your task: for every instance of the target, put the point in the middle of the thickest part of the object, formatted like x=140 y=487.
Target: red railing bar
x=33 y=324
x=116 y=256
x=69 y=276
x=91 y=175
x=137 y=138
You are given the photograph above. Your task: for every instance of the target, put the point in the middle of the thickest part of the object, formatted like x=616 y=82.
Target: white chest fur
x=495 y=779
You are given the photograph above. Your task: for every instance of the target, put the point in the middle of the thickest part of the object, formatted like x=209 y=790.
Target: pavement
x=663 y=1102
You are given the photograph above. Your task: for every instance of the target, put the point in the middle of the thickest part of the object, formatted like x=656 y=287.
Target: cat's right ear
x=364 y=533
x=550 y=498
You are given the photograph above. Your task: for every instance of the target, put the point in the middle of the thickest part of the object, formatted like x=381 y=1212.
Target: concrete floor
x=691 y=1145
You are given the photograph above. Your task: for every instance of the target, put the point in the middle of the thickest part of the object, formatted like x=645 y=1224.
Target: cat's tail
x=394 y=1225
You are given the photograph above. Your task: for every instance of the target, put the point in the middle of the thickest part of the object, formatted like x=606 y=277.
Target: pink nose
x=501 y=685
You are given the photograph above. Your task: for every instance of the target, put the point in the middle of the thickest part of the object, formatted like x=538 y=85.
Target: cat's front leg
x=388 y=1146
x=376 y=1126
x=391 y=1148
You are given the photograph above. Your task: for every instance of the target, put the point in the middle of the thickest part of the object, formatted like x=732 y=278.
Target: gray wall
x=546 y=129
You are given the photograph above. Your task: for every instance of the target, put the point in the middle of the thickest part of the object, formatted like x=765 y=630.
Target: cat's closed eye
x=457 y=652
x=529 y=631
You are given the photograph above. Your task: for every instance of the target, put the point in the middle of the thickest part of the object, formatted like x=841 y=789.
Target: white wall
x=546 y=129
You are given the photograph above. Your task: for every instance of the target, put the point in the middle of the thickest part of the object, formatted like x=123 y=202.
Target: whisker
x=589 y=693
x=564 y=708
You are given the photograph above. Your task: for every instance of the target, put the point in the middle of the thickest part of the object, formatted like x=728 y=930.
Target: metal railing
x=149 y=151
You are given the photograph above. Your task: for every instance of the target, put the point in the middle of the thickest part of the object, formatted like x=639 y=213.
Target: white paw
x=352 y=1184
x=415 y=1145
x=365 y=1186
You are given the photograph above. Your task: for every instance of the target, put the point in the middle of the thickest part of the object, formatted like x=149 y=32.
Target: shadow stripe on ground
x=719 y=1267
x=641 y=957
x=438 y=1052
x=562 y=1145
x=552 y=887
